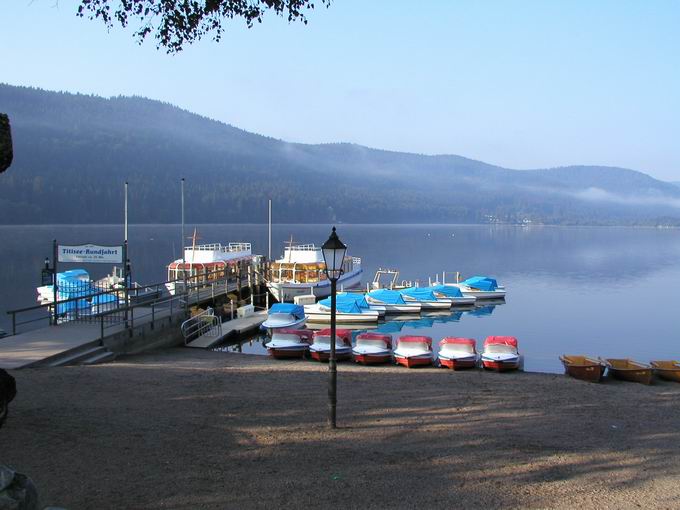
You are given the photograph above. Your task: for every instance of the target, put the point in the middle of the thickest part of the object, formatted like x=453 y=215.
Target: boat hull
x=642 y=375
x=500 y=365
x=668 y=370
x=372 y=359
x=457 y=364
x=585 y=369
x=281 y=323
x=413 y=361
x=287 y=353
x=286 y=292
x=326 y=355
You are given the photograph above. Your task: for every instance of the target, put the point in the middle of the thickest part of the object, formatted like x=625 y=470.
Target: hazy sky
x=522 y=84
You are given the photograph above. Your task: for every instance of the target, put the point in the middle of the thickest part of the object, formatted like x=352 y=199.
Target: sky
x=521 y=84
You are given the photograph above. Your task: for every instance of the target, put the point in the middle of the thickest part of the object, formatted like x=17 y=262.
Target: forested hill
x=72 y=154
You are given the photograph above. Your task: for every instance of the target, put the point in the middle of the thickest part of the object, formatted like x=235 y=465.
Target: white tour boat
x=301 y=272
x=204 y=263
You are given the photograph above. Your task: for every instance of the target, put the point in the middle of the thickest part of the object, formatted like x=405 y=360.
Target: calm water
x=600 y=291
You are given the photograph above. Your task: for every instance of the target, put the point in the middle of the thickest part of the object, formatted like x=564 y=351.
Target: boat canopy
x=389 y=297
x=346 y=305
x=343 y=334
x=416 y=339
x=502 y=340
x=447 y=290
x=73 y=276
x=295 y=310
x=481 y=283
x=358 y=298
x=376 y=336
x=458 y=341
x=420 y=293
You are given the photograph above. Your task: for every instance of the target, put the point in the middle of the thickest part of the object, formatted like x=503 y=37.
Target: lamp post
x=333 y=255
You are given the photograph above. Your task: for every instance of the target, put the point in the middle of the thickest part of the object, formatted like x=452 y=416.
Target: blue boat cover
x=296 y=311
x=420 y=293
x=481 y=283
x=389 y=297
x=342 y=305
x=358 y=298
x=447 y=290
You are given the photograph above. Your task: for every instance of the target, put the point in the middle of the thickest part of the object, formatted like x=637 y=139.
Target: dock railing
x=143 y=301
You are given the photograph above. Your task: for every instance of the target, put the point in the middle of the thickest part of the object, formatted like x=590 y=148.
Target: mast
x=181 y=246
x=269 y=252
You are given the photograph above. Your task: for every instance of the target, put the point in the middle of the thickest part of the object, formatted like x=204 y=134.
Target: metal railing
x=114 y=310
x=205 y=323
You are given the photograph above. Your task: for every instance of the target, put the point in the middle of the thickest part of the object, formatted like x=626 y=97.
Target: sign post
x=54 y=278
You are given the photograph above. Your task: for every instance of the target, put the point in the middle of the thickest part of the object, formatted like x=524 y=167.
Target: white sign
x=90 y=254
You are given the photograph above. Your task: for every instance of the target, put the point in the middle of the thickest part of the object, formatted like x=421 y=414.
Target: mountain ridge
x=83 y=146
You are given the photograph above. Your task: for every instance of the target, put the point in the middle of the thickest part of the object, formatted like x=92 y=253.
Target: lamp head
x=333 y=255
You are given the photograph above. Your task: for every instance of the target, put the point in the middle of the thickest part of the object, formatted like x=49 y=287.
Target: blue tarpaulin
x=420 y=293
x=389 y=297
x=295 y=310
x=358 y=298
x=342 y=305
x=448 y=291
x=481 y=283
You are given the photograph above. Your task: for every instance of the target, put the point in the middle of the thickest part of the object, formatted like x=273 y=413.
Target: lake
x=601 y=291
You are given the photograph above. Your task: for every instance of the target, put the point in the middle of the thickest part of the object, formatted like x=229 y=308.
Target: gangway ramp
x=205 y=330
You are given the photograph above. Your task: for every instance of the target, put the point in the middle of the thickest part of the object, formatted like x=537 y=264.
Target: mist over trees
x=72 y=154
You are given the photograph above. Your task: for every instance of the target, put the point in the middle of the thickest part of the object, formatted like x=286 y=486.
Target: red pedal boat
x=320 y=350
x=457 y=353
x=373 y=348
x=289 y=343
x=500 y=353
x=414 y=351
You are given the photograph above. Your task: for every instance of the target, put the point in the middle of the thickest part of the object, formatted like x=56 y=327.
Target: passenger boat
x=480 y=287
x=426 y=297
x=392 y=301
x=301 y=272
x=205 y=263
x=630 y=370
x=289 y=343
x=454 y=294
x=500 y=353
x=372 y=348
x=456 y=353
x=414 y=351
x=320 y=350
x=582 y=367
x=284 y=315
x=348 y=311
x=669 y=370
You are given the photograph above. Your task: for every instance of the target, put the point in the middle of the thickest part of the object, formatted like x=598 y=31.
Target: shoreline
x=184 y=428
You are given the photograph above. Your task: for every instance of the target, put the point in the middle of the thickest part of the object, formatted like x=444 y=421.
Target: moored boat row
x=499 y=353
x=593 y=370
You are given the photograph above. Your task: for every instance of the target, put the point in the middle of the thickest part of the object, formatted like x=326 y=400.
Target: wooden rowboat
x=630 y=370
x=582 y=367
x=669 y=370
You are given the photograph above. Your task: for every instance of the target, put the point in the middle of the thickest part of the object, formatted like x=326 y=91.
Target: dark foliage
x=74 y=152
x=175 y=23
x=6 y=153
x=8 y=390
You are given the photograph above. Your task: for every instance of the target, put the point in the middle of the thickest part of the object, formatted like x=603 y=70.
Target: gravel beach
x=183 y=428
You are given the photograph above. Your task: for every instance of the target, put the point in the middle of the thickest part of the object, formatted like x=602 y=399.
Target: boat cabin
x=207 y=262
x=304 y=264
